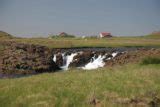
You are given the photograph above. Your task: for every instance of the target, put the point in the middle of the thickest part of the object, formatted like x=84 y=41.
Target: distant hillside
x=155 y=34
x=5 y=35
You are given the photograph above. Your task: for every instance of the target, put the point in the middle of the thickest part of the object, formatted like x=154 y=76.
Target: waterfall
x=95 y=63
x=54 y=58
x=114 y=54
x=69 y=59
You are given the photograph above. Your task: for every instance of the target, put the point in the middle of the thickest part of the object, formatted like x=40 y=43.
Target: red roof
x=62 y=33
x=105 y=33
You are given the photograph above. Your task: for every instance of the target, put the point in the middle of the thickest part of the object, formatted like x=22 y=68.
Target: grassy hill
x=154 y=36
x=5 y=35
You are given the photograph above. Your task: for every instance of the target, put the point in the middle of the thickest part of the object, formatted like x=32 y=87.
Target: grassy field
x=102 y=87
x=68 y=42
x=91 y=42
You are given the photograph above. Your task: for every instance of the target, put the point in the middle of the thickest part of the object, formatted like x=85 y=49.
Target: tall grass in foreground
x=79 y=88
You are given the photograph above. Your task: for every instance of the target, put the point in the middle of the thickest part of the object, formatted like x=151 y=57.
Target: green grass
x=68 y=42
x=90 y=42
x=77 y=88
x=2 y=47
x=65 y=42
x=4 y=35
x=150 y=60
x=153 y=36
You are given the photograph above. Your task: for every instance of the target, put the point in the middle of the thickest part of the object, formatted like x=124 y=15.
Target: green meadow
x=67 y=42
x=79 y=88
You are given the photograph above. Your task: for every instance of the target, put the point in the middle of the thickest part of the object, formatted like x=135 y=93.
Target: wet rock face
x=25 y=58
x=81 y=59
x=59 y=59
x=20 y=58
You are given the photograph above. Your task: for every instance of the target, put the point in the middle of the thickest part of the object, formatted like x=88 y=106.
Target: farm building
x=63 y=34
x=105 y=34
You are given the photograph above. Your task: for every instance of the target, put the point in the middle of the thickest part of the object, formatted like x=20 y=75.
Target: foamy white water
x=64 y=58
x=69 y=59
x=96 y=63
x=114 y=54
x=54 y=58
x=93 y=64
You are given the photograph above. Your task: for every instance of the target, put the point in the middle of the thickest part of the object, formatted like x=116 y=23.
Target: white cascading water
x=114 y=54
x=93 y=64
x=64 y=58
x=96 y=63
x=69 y=59
x=54 y=58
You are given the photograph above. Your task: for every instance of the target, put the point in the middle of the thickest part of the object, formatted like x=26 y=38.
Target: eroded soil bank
x=24 y=59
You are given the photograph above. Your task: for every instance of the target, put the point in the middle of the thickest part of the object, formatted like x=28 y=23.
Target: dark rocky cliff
x=22 y=58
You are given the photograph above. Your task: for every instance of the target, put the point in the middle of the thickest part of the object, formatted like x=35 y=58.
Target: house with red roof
x=105 y=34
x=63 y=34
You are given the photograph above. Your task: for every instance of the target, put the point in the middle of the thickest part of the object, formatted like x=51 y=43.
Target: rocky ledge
x=135 y=56
x=19 y=58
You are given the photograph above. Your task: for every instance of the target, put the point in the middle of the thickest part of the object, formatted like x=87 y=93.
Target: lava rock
x=132 y=56
x=59 y=59
x=81 y=59
x=22 y=58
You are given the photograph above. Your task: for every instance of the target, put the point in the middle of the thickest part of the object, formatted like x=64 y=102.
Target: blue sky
x=79 y=17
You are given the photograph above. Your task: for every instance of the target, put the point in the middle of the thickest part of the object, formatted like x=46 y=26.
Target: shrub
x=65 y=36
x=150 y=60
